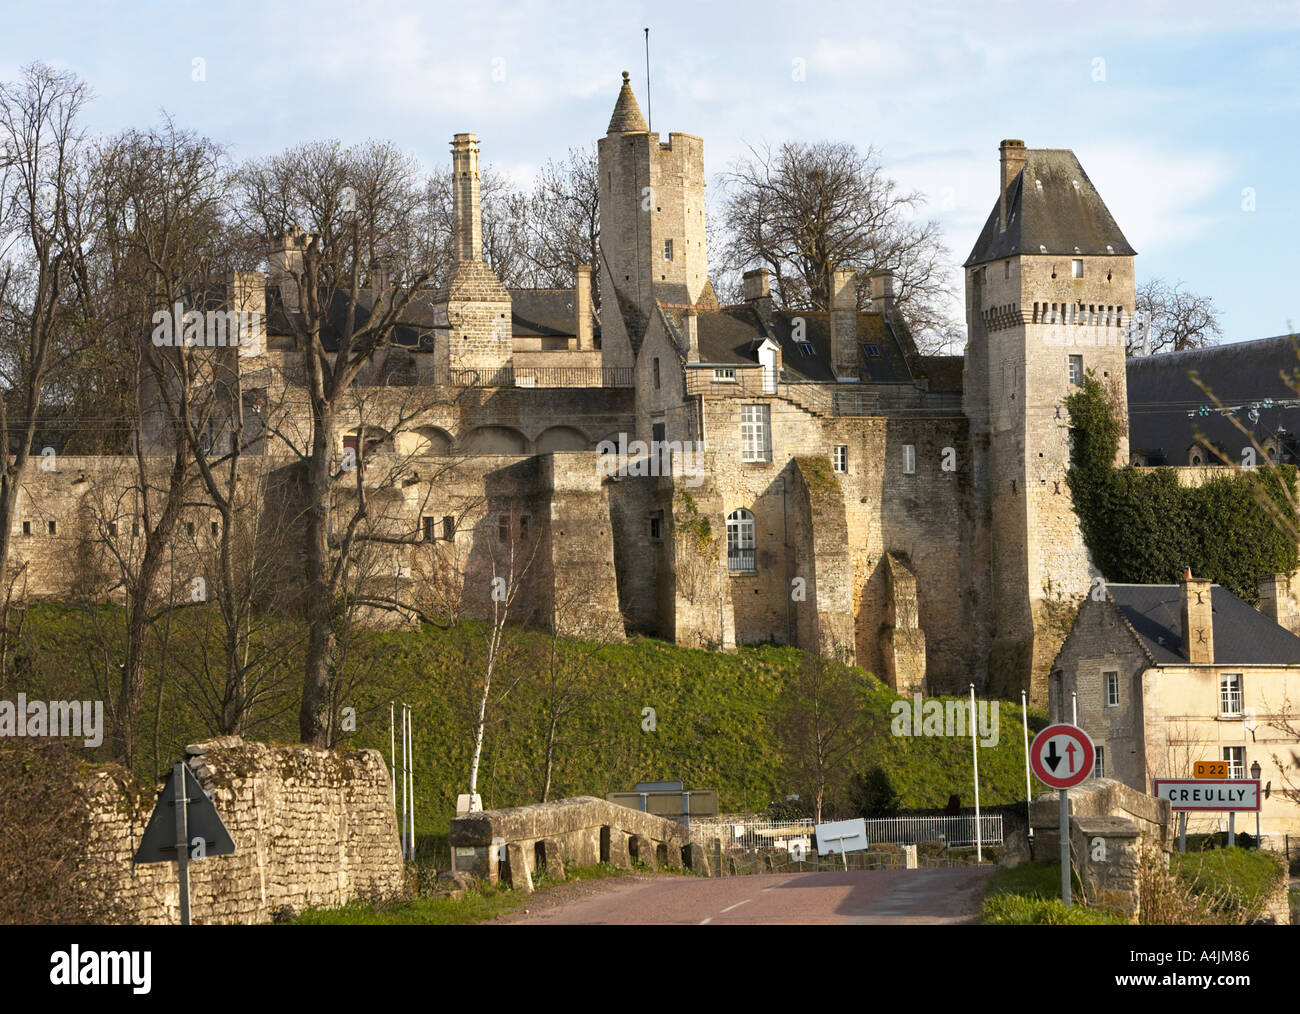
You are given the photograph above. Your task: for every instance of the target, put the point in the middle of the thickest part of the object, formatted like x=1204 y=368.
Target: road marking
x=736 y=905
x=782 y=884
x=707 y=921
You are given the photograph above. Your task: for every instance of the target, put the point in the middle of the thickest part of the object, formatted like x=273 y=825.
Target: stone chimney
x=758 y=287
x=582 y=305
x=467 y=211
x=380 y=279
x=691 y=325
x=1012 y=161
x=246 y=293
x=1198 y=619
x=285 y=263
x=882 y=289
x=1275 y=598
x=844 y=324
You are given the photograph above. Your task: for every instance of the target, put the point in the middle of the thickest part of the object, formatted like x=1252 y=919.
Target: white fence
x=780 y=835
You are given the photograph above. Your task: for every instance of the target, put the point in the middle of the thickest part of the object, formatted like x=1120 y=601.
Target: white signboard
x=1208 y=794
x=842 y=836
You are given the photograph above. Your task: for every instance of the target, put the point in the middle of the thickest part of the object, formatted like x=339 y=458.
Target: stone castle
x=712 y=475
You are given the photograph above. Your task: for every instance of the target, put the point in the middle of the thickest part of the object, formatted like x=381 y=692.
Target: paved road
x=880 y=897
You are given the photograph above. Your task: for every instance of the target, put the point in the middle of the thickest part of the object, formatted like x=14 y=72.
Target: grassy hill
x=717 y=715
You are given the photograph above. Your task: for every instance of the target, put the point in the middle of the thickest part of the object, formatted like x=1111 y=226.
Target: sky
x=1185 y=115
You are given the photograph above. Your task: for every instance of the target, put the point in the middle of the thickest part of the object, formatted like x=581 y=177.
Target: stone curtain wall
x=311 y=827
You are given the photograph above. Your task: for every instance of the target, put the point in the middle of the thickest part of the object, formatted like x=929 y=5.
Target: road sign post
x=192 y=823
x=1062 y=756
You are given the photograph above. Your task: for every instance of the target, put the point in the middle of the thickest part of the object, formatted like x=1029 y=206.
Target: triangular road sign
x=158 y=845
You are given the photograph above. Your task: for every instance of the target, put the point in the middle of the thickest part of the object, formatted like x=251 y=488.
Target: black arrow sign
x=1052 y=757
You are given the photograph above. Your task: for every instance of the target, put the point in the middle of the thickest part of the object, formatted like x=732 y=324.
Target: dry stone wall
x=312 y=828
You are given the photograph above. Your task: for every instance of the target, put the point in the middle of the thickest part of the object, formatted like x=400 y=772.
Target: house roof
x=733 y=334
x=1242 y=635
x=1065 y=215
x=1161 y=394
x=543 y=312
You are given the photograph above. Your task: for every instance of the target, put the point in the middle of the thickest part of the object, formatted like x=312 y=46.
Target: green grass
x=1236 y=881
x=479 y=905
x=716 y=713
x=1030 y=895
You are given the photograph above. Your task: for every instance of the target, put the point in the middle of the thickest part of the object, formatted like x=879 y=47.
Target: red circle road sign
x=1062 y=756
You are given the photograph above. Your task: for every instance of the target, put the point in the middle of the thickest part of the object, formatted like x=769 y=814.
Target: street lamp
x=1254 y=773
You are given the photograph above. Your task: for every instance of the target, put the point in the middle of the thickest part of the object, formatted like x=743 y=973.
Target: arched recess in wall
x=430 y=440
x=562 y=438
x=494 y=440
x=377 y=440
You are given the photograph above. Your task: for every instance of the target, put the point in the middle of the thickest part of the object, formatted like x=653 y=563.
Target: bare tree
x=45 y=226
x=803 y=210
x=563 y=221
x=1170 y=318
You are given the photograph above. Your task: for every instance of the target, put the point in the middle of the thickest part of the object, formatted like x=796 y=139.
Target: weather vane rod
x=649 y=112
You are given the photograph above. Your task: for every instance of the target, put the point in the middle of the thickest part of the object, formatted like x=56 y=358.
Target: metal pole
x=975 y=754
x=649 y=111
x=1029 y=792
x=181 y=803
x=1182 y=832
x=392 y=752
x=1074 y=707
x=1065 y=846
x=410 y=734
x=404 y=799
x=1232 y=828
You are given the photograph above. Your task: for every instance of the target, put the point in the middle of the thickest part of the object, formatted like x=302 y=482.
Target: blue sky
x=1174 y=109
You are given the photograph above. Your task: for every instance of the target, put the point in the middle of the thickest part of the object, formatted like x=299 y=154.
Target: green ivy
x=1143 y=527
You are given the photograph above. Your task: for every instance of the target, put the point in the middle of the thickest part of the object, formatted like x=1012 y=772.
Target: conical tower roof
x=627 y=118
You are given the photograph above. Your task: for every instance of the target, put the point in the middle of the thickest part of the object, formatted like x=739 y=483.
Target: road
x=875 y=897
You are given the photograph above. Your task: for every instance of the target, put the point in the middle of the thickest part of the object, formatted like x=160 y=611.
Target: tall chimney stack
x=467 y=212
x=882 y=290
x=691 y=319
x=758 y=287
x=582 y=305
x=1012 y=161
x=1275 y=598
x=844 y=324
x=1198 y=619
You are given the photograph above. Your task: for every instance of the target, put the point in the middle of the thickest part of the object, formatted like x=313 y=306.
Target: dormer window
x=724 y=375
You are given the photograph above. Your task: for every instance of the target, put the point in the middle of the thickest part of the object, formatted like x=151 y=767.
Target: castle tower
x=477 y=305
x=652 y=242
x=1049 y=291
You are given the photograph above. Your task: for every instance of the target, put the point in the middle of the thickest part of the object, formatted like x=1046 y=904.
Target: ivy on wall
x=1142 y=527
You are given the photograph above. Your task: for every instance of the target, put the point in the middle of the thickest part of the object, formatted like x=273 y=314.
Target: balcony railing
x=742 y=561
x=826 y=399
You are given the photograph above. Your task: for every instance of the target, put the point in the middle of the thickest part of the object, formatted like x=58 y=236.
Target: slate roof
x=1242 y=635
x=1056 y=218
x=733 y=334
x=543 y=312
x=1160 y=394
x=627 y=118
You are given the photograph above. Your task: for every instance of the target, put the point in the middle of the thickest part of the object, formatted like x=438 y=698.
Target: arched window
x=740 y=542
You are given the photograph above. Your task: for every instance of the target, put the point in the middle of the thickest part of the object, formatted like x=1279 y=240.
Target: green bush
x=1018 y=910
x=1235 y=882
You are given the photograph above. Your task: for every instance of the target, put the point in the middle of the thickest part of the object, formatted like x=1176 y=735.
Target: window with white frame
x=1076 y=267
x=840 y=457
x=740 y=542
x=1112 y=689
x=1235 y=756
x=668 y=249
x=1230 y=695
x=909 y=459
x=755 y=433
x=1099 y=765
x=725 y=374
x=1076 y=371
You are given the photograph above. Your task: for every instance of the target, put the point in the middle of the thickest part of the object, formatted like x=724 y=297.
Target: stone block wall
x=311 y=827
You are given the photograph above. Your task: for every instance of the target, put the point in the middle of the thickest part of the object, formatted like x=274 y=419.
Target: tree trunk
x=314 y=715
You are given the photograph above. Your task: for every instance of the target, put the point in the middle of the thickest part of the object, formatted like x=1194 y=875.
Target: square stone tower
x=477 y=305
x=1049 y=291
x=652 y=243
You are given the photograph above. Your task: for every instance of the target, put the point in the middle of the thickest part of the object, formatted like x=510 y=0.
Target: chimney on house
x=691 y=320
x=758 y=288
x=1012 y=161
x=284 y=262
x=582 y=305
x=380 y=280
x=1197 y=618
x=246 y=294
x=882 y=290
x=844 y=324
x=467 y=212
x=1275 y=598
